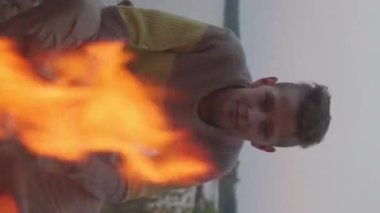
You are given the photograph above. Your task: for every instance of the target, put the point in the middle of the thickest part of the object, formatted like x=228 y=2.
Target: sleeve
x=101 y=177
x=138 y=189
x=141 y=189
x=56 y=23
x=157 y=31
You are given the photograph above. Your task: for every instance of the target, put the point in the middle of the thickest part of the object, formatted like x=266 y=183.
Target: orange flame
x=8 y=205
x=93 y=105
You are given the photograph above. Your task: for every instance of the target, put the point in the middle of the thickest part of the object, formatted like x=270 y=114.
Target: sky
x=333 y=42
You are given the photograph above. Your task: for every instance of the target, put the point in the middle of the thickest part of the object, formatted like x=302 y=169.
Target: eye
x=265 y=129
x=267 y=103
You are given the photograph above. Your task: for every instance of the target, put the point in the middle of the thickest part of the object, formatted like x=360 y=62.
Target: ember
x=92 y=104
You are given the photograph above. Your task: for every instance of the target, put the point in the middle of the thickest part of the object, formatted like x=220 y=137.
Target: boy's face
x=263 y=114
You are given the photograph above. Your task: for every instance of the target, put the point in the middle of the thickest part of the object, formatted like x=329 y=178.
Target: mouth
x=234 y=115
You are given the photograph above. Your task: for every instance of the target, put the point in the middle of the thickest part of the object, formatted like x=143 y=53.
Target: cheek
x=251 y=100
x=251 y=132
x=226 y=109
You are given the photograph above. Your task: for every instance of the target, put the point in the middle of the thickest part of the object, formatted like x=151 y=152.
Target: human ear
x=264 y=81
x=265 y=148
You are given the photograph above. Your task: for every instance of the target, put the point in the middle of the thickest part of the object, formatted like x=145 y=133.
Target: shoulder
x=224 y=157
x=222 y=43
x=158 y=16
x=222 y=37
x=77 y=5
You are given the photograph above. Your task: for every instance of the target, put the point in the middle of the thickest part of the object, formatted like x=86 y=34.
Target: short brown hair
x=313 y=115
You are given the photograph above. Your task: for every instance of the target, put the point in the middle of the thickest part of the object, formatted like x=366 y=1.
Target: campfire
x=77 y=102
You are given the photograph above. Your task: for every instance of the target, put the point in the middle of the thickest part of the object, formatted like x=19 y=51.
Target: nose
x=254 y=117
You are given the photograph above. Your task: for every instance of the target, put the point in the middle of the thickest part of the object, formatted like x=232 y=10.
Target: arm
x=101 y=177
x=56 y=23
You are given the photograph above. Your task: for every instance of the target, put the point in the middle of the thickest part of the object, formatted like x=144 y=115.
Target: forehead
x=284 y=113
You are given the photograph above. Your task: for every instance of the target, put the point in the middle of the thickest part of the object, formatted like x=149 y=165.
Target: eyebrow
x=270 y=100
x=268 y=134
x=270 y=105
